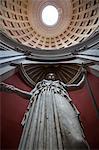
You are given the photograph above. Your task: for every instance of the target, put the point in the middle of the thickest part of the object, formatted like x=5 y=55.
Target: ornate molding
x=48 y=55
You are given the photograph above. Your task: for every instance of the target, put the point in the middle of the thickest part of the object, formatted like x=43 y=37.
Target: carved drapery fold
x=51 y=121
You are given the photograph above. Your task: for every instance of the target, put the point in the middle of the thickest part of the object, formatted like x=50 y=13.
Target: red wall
x=83 y=102
x=13 y=108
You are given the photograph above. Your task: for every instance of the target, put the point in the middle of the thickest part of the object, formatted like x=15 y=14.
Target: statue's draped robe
x=52 y=121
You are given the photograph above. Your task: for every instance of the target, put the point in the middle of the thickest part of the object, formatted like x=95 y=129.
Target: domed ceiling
x=22 y=21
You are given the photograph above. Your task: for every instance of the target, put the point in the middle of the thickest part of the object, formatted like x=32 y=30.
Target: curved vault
x=68 y=73
x=21 y=20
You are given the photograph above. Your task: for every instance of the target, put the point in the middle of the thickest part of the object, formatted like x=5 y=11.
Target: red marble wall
x=13 y=108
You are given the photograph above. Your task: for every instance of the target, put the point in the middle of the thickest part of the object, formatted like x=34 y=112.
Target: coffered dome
x=76 y=21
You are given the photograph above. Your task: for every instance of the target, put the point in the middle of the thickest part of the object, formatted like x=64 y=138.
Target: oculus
x=50 y=15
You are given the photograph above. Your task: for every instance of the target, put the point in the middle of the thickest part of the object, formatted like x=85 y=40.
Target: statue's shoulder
x=44 y=80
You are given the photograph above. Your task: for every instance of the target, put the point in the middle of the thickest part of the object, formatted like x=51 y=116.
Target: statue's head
x=50 y=76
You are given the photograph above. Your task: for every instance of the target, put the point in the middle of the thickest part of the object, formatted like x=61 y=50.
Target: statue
x=51 y=121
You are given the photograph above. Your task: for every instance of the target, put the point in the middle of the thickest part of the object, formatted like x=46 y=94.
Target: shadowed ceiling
x=68 y=73
x=21 y=20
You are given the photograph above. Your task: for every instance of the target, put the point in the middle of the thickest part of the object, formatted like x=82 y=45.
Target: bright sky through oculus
x=50 y=15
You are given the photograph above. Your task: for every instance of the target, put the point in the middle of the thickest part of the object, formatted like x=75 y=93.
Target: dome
x=22 y=21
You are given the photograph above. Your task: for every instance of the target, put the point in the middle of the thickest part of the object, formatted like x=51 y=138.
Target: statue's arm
x=76 y=86
x=11 y=89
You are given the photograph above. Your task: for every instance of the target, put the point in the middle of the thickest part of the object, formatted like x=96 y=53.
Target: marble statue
x=51 y=121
